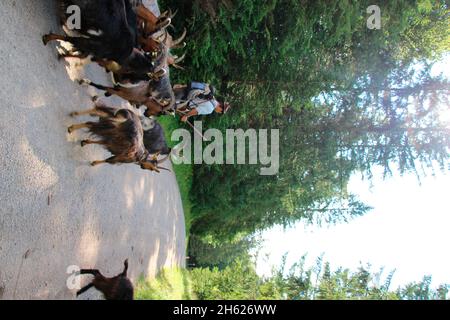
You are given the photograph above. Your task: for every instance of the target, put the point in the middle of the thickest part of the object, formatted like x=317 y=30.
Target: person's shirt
x=204 y=107
x=194 y=93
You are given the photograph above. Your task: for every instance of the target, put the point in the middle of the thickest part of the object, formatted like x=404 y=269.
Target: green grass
x=184 y=173
x=170 y=284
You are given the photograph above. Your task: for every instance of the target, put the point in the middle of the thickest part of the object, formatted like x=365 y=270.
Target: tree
x=340 y=94
x=398 y=121
x=239 y=281
x=205 y=253
x=320 y=282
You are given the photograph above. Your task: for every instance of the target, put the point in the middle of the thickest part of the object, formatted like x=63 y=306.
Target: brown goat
x=115 y=288
x=149 y=23
x=157 y=96
x=120 y=132
x=170 y=44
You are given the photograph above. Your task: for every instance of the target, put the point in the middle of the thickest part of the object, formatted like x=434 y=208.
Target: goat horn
x=176 y=66
x=170 y=104
x=156 y=155
x=180 y=39
x=163 y=159
x=179 y=46
x=162 y=168
x=166 y=102
x=160 y=73
x=157 y=75
x=159 y=40
x=178 y=60
x=163 y=24
x=166 y=34
x=172 y=15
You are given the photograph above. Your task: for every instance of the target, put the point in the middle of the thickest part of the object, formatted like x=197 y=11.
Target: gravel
x=56 y=210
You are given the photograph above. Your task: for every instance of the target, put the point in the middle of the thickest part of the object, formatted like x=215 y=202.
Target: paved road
x=56 y=210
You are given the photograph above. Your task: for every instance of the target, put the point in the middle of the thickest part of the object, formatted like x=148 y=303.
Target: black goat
x=108 y=33
x=115 y=288
x=154 y=139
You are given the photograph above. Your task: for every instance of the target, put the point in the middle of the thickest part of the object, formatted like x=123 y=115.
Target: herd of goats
x=132 y=44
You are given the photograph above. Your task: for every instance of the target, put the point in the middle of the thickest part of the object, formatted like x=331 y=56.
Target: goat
x=108 y=32
x=154 y=139
x=150 y=23
x=159 y=50
x=165 y=58
x=121 y=133
x=115 y=288
x=157 y=96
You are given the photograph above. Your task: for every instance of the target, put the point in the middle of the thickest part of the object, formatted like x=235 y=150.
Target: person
x=197 y=99
x=205 y=107
x=184 y=93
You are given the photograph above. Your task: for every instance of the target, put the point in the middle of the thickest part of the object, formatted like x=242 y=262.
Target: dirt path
x=56 y=210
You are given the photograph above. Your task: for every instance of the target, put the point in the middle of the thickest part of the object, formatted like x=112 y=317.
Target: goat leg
x=86 y=142
x=94 y=112
x=109 y=91
x=111 y=160
x=84 y=289
x=52 y=37
x=98 y=162
x=74 y=127
x=83 y=113
x=72 y=55
x=94 y=272
x=92 y=84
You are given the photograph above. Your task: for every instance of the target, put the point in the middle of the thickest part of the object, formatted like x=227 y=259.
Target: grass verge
x=184 y=173
x=170 y=284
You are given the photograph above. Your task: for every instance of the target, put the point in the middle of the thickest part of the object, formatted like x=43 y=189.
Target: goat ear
x=156 y=155
x=125 y=269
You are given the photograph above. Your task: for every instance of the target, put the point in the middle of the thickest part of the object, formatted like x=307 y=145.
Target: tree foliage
x=239 y=281
x=345 y=98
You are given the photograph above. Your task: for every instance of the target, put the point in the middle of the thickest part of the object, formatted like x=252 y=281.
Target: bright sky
x=408 y=229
